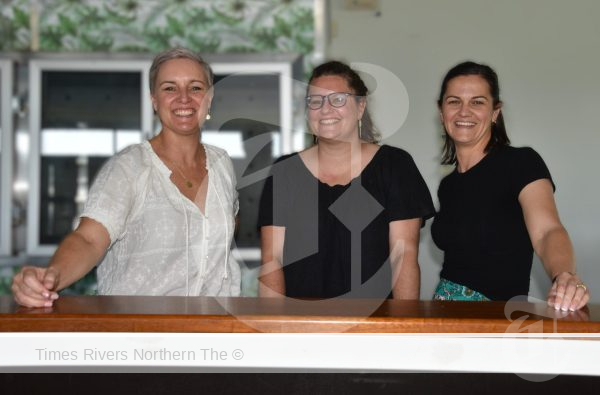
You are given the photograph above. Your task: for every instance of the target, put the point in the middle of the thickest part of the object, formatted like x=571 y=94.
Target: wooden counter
x=236 y=315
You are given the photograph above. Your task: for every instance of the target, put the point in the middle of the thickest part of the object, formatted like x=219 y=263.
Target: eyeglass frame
x=346 y=95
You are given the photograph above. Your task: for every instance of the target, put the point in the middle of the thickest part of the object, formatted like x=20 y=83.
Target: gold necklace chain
x=187 y=181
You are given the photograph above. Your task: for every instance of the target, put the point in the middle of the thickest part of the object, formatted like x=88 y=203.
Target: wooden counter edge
x=149 y=323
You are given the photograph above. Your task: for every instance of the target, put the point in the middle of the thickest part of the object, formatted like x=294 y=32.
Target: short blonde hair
x=177 y=53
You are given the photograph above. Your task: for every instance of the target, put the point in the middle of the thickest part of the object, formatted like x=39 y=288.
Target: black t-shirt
x=480 y=224
x=337 y=237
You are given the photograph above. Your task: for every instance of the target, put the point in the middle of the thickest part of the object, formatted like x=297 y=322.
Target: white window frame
x=6 y=154
x=284 y=66
x=284 y=69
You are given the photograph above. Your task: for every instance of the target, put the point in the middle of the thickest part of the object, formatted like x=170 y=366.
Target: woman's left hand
x=568 y=292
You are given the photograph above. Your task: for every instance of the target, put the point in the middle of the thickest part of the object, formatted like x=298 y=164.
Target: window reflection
x=86 y=117
x=87 y=142
x=246 y=106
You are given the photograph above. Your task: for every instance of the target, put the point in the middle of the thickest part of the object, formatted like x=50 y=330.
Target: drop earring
x=207 y=116
x=360 y=129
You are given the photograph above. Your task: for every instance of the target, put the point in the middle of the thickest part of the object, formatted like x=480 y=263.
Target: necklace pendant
x=188 y=183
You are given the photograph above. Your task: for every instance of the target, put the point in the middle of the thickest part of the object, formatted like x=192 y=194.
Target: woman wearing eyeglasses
x=342 y=218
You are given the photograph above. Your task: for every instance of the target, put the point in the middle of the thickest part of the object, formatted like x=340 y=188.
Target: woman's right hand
x=35 y=286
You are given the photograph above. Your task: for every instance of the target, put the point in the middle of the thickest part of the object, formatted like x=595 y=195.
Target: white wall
x=547 y=55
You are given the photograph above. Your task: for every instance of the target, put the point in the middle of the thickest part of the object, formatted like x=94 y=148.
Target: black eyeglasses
x=336 y=99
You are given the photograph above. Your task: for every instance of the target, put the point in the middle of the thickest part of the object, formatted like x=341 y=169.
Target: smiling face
x=467 y=111
x=334 y=123
x=182 y=96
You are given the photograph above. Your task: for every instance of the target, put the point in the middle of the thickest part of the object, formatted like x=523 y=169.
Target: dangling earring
x=360 y=129
x=207 y=116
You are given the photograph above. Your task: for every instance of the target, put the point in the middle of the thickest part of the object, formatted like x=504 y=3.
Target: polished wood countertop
x=243 y=315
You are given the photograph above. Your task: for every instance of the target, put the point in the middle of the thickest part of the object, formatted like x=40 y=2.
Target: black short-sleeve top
x=337 y=237
x=480 y=224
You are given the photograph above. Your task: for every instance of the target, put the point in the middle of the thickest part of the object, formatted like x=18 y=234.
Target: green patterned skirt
x=448 y=290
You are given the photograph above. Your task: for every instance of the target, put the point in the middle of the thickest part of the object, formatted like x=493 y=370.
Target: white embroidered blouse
x=160 y=241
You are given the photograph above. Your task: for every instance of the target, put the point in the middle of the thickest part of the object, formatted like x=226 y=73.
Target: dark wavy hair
x=499 y=137
x=337 y=68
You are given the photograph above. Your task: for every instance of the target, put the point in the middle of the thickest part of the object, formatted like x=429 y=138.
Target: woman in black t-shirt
x=497 y=207
x=342 y=218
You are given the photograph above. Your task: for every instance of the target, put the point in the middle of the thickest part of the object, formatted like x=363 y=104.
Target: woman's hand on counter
x=35 y=286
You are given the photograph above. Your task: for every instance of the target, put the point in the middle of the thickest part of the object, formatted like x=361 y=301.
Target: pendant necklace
x=188 y=183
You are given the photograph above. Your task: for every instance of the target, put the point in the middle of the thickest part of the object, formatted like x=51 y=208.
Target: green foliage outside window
x=224 y=26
